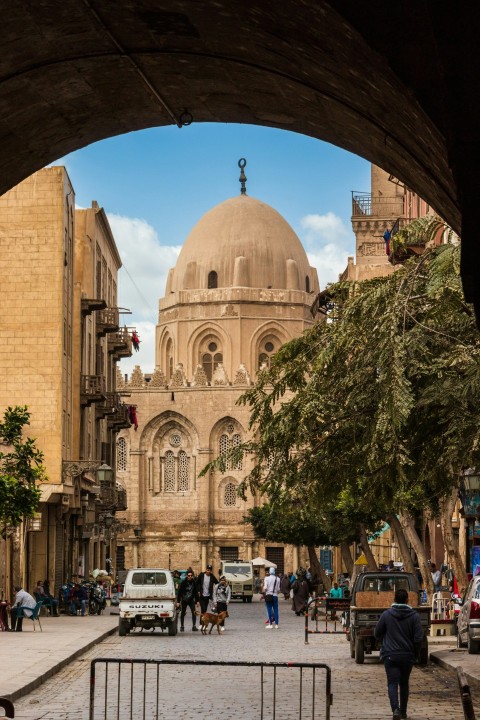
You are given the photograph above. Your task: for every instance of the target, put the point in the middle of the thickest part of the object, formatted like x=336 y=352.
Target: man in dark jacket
x=186 y=599
x=205 y=582
x=401 y=633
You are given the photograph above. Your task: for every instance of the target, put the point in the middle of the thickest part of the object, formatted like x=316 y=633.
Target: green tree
x=21 y=469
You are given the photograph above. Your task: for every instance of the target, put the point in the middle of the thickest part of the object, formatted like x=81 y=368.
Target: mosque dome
x=243 y=242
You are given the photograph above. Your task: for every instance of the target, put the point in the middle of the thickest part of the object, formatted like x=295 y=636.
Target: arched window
x=230 y=495
x=212 y=280
x=169 y=472
x=228 y=440
x=175 y=461
x=307 y=284
x=169 y=354
x=121 y=454
x=268 y=347
x=211 y=356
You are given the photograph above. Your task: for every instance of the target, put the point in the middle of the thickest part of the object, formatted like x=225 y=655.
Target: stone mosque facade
x=242 y=287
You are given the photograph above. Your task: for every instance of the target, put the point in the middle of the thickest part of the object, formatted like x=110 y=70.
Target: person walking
x=301 y=593
x=285 y=586
x=401 y=634
x=221 y=597
x=205 y=584
x=271 y=586
x=186 y=599
x=336 y=592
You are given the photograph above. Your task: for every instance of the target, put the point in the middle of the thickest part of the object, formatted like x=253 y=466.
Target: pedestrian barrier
x=329 y=607
x=148 y=689
x=465 y=695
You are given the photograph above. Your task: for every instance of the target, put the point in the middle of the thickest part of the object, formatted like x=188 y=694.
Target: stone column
x=204 y=556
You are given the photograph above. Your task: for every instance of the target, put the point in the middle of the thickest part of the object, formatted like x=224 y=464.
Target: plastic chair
x=34 y=616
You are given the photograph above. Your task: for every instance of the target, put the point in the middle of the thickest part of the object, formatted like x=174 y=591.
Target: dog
x=212 y=619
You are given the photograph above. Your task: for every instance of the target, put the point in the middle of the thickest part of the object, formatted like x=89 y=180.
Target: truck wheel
x=249 y=599
x=244 y=599
x=352 y=647
x=423 y=656
x=122 y=628
x=359 y=651
x=472 y=645
x=172 y=627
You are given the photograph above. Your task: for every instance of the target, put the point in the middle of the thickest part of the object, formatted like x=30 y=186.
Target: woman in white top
x=271 y=586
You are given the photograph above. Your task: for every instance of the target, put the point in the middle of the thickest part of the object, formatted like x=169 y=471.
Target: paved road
x=359 y=691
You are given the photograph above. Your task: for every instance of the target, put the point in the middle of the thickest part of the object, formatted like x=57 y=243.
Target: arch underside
x=392 y=84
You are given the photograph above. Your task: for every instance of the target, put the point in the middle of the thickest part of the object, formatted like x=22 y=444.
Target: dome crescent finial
x=242 y=179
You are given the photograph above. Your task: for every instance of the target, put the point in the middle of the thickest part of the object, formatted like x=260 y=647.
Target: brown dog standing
x=212 y=619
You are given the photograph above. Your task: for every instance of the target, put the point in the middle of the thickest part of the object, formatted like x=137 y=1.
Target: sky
x=156 y=184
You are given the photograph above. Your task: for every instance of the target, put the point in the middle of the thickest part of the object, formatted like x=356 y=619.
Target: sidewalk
x=444 y=652
x=28 y=658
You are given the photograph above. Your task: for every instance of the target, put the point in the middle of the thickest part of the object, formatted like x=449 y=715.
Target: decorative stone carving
x=158 y=378
x=179 y=378
x=137 y=379
x=242 y=377
x=199 y=377
x=119 y=380
x=229 y=311
x=220 y=376
x=371 y=248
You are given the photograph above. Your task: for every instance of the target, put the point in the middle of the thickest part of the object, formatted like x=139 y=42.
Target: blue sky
x=156 y=184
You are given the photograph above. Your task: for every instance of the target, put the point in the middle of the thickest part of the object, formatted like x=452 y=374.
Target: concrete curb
x=56 y=668
x=473 y=681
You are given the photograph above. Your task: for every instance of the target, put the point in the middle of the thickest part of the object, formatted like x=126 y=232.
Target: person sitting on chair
x=47 y=600
x=23 y=600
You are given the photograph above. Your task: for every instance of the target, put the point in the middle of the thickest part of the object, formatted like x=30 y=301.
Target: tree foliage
x=376 y=410
x=21 y=469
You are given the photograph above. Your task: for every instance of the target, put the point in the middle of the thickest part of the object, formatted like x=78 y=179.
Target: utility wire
x=144 y=300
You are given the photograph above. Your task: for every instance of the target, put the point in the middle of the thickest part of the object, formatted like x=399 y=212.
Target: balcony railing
x=367 y=205
x=120 y=344
x=107 y=321
x=92 y=389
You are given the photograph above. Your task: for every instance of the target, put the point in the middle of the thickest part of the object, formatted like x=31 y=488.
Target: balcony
x=107 y=322
x=404 y=247
x=90 y=305
x=92 y=389
x=120 y=344
x=367 y=205
x=119 y=420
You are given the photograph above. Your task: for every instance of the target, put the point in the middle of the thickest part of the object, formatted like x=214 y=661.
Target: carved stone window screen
x=227 y=443
x=121 y=455
x=230 y=495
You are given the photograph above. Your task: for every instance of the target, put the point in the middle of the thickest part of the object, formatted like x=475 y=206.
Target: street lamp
x=471 y=480
x=104 y=474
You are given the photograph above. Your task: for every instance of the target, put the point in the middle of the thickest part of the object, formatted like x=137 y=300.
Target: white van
x=148 y=601
x=239 y=574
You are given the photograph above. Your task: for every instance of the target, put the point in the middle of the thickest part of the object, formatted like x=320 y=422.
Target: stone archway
x=392 y=84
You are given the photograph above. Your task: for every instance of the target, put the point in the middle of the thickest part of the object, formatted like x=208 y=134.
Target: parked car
x=468 y=622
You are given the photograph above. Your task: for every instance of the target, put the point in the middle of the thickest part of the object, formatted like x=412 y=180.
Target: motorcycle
x=97 y=599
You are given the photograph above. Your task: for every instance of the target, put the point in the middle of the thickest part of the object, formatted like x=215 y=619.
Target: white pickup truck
x=148 y=601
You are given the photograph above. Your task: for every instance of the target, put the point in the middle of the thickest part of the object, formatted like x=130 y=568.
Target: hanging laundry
x=135 y=341
x=132 y=416
x=387 y=237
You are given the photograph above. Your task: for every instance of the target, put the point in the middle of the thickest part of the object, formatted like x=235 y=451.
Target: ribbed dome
x=246 y=243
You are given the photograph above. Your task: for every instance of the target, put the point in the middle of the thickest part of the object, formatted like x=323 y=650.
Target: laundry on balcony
x=132 y=416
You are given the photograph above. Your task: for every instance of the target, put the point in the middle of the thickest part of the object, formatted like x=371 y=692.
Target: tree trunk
x=408 y=527
x=317 y=569
x=371 y=563
x=447 y=506
x=399 y=536
x=347 y=557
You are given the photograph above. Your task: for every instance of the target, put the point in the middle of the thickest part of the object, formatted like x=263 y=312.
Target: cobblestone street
x=359 y=691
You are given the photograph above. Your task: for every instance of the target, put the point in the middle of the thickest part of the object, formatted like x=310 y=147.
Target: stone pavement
x=27 y=660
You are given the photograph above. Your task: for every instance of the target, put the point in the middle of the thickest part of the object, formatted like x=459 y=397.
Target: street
x=359 y=691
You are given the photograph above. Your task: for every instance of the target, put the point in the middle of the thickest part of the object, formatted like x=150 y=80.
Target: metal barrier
x=144 y=689
x=465 y=695
x=328 y=606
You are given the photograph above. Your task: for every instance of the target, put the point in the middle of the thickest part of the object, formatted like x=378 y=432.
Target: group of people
x=24 y=605
x=203 y=591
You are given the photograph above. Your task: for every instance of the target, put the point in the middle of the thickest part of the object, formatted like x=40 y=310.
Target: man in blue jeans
x=271 y=586
x=401 y=633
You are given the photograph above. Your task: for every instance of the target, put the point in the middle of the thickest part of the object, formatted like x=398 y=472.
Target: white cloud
x=324 y=228
x=141 y=281
x=328 y=243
